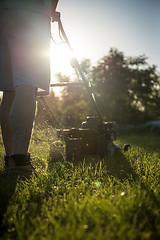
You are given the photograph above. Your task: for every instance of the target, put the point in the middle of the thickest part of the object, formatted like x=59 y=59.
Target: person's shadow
x=7 y=189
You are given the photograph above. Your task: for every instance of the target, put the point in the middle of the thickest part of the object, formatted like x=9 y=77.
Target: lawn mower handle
x=57 y=18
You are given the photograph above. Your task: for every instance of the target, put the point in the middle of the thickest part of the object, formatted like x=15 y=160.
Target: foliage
x=85 y=202
x=127 y=88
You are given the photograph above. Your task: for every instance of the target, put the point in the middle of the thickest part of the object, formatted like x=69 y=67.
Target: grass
x=118 y=198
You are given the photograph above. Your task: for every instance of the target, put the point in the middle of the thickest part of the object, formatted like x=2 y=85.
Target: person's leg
x=6 y=105
x=21 y=118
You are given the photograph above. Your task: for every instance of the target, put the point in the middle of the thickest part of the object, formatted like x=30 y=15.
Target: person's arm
x=54 y=6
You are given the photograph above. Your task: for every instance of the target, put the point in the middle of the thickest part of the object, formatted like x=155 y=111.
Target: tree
x=126 y=88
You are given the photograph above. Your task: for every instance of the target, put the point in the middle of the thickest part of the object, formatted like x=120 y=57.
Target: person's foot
x=18 y=166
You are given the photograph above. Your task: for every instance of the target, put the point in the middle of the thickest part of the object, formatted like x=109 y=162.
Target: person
x=24 y=73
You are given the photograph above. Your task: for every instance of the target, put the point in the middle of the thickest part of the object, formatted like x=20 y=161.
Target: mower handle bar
x=57 y=18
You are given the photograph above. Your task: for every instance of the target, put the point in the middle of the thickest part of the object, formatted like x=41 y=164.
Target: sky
x=95 y=26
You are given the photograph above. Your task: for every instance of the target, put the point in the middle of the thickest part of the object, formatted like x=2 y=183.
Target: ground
x=117 y=198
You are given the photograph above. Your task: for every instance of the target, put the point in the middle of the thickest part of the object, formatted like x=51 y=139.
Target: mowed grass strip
x=118 y=198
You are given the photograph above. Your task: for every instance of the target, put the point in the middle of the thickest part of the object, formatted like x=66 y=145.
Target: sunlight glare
x=61 y=57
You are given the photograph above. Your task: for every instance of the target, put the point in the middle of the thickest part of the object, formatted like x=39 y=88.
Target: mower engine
x=93 y=139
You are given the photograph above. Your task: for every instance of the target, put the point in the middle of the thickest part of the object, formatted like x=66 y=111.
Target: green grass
x=118 y=198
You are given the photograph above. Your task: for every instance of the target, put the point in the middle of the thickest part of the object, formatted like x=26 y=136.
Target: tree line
x=127 y=91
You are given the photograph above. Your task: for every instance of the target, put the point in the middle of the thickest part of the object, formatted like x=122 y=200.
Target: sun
x=60 y=59
x=61 y=56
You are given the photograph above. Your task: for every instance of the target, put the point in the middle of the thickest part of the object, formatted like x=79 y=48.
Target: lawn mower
x=95 y=137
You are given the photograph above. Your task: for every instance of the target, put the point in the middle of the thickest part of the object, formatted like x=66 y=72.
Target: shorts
x=24 y=49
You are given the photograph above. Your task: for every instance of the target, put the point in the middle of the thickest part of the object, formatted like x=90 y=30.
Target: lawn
x=117 y=198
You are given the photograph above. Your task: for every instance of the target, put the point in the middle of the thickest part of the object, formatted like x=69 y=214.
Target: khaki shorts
x=24 y=49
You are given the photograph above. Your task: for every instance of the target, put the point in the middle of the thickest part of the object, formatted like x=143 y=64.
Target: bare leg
x=6 y=105
x=21 y=118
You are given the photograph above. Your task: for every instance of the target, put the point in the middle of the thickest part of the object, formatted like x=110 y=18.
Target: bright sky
x=94 y=26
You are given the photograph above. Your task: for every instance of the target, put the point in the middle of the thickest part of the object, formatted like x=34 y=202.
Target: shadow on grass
x=119 y=166
x=116 y=165
x=7 y=189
